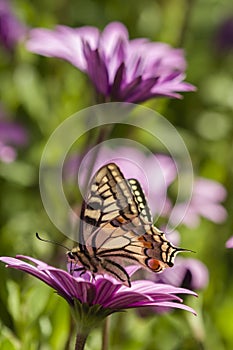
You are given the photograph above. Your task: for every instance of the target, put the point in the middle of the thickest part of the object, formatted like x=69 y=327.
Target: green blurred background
x=40 y=93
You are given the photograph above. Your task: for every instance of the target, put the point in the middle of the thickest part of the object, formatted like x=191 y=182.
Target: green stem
x=105 y=333
x=80 y=341
x=189 y=4
x=71 y=331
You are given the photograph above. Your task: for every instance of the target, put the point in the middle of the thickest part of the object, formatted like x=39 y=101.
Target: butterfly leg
x=81 y=269
x=92 y=277
x=71 y=270
x=78 y=269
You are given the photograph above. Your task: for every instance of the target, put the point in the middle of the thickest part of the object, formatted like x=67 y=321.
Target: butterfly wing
x=157 y=252
x=139 y=198
x=109 y=201
x=116 y=222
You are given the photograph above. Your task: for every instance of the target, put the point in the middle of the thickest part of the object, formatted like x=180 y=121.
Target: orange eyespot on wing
x=155 y=265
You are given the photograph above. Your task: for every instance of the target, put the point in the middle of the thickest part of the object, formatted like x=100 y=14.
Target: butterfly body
x=116 y=225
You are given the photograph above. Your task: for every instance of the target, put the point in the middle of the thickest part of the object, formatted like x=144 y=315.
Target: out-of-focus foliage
x=39 y=93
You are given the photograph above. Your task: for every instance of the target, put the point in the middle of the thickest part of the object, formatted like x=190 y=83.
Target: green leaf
x=60 y=319
x=36 y=300
x=8 y=341
x=14 y=300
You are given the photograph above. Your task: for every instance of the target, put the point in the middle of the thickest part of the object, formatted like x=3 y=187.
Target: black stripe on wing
x=109 y=196
x=141 y=202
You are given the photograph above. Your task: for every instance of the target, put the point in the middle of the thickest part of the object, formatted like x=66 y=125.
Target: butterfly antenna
x=52 y=242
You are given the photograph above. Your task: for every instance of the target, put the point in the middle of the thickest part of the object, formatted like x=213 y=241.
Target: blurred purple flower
x=102 y=291
x=229 y=242
x=187 y=273
x=224 y=35
x=11 y=135
x=11 y=29
x=120 y=69
x=206 y=202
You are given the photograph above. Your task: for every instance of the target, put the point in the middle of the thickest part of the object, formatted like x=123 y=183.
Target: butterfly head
x=70 y=255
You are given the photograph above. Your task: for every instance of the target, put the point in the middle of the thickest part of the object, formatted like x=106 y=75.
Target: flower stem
x=105 y=334
x=189 y=5
x=80 y=341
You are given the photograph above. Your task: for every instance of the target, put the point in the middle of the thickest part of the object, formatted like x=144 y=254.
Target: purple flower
x=11 y=135
x=206 y=201
x=187 y=272
x=11 y=29
x=229 y=242
x=103 y=293
x=120 y=69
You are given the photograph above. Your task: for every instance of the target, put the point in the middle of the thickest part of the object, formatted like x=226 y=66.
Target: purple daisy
x=103 y=294
x=11 y=29
x=119 y=68
x=93 y=299
x=103 y=290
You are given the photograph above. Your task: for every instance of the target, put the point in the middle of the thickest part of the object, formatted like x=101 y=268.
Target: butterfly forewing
x=109 y=203
x=116 y=223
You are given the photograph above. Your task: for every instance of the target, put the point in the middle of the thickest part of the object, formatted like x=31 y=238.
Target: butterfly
x=116 y=223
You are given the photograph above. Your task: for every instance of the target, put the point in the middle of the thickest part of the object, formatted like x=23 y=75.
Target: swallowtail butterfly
x=116 y=224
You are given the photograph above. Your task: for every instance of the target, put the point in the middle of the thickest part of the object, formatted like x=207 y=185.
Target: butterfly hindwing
x=140 y=199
